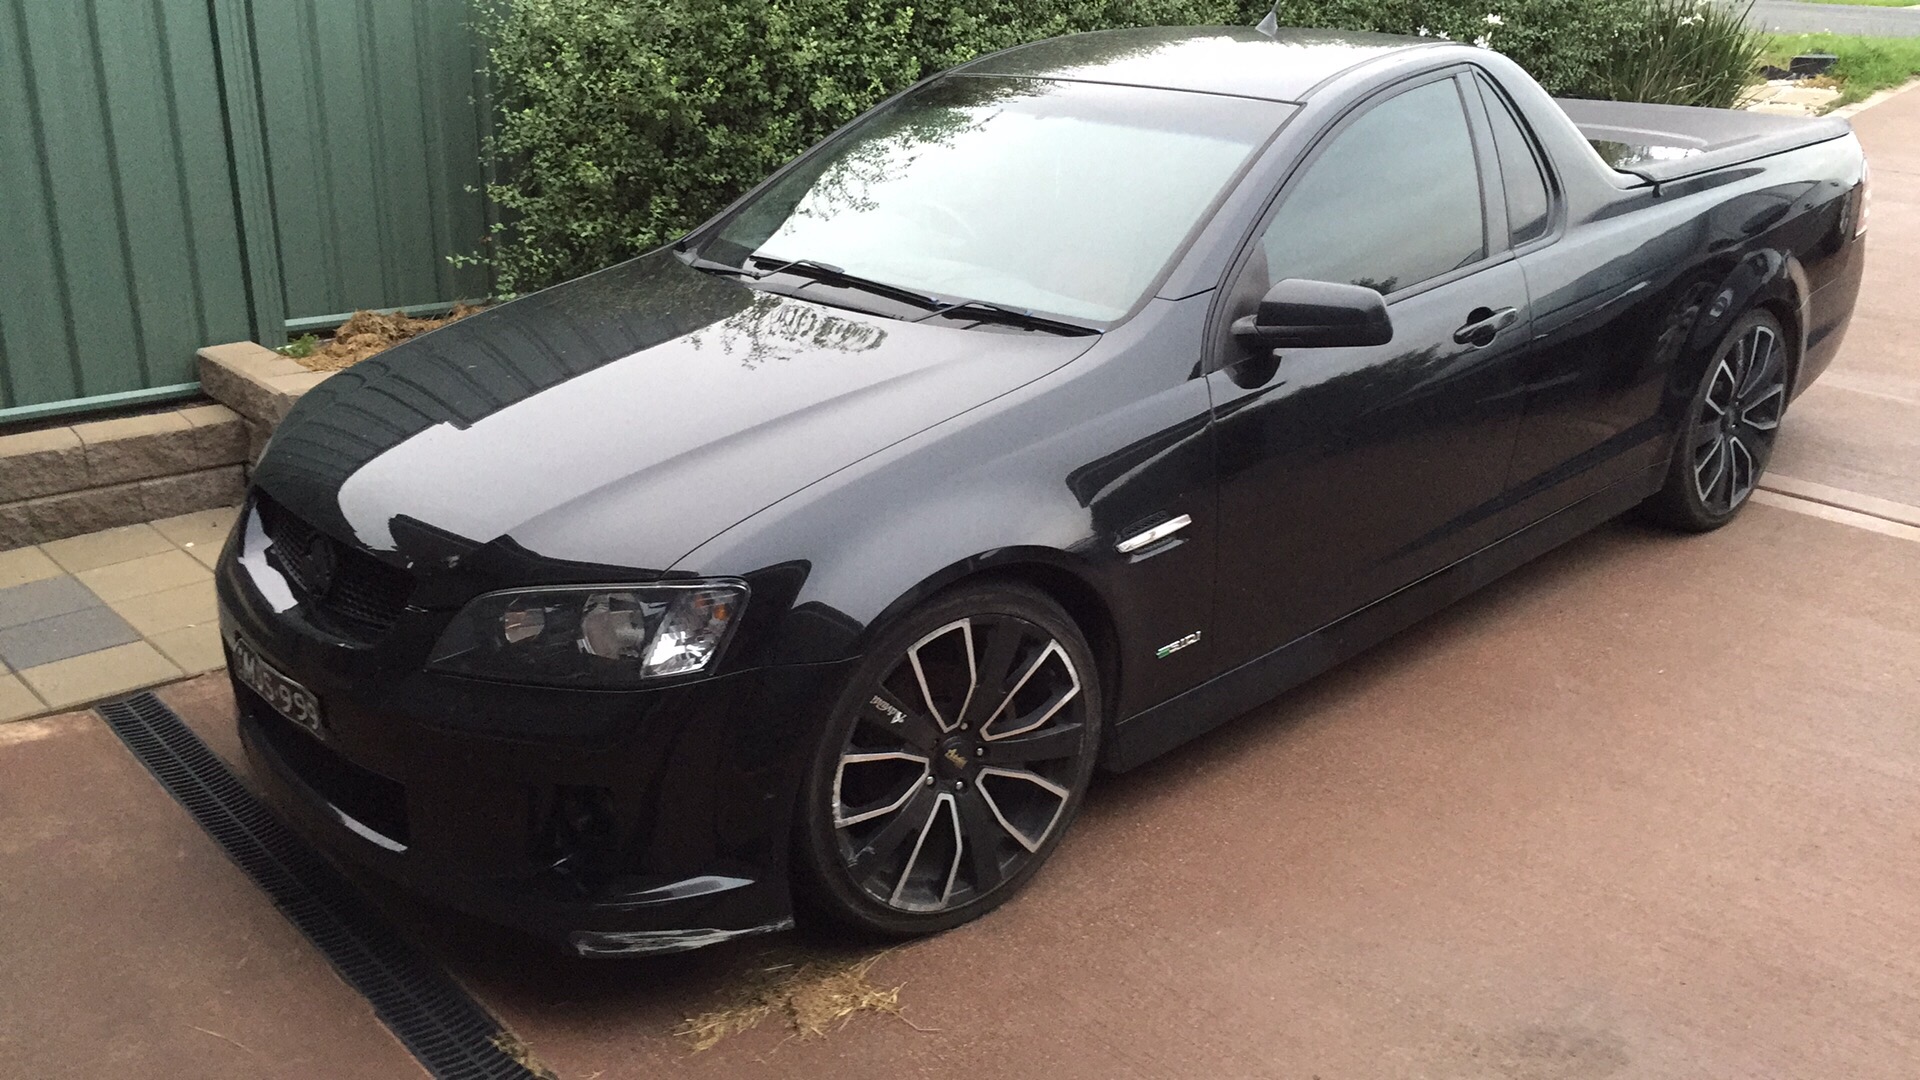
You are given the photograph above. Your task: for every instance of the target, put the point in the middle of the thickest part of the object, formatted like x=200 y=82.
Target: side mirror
x=1302 y=314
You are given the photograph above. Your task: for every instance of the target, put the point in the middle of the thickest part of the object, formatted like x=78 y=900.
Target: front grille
x=361 y=794
x=352 y=593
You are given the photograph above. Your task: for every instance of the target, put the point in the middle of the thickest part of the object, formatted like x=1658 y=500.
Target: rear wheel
x=952 y=765
x=1729 y=430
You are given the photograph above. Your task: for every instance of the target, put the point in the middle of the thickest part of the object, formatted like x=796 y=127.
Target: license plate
x=288 y=698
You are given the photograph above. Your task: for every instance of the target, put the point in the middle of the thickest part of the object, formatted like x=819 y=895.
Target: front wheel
x=952 y=764
x=1727 y=436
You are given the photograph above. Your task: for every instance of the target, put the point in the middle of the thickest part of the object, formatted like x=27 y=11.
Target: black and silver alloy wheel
x=1730 y=429
x=1734 y=425
x=954 y=763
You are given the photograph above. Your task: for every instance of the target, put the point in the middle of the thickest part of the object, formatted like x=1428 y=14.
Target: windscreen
x=1060 y=198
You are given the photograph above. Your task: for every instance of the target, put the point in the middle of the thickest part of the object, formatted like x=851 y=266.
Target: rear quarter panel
x=1632 y=300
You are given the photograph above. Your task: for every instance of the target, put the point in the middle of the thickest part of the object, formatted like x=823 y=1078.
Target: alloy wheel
x=1733 y=429
x=961 y=764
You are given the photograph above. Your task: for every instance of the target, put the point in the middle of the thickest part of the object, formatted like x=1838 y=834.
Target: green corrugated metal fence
x=175 y=173
x=119 y=245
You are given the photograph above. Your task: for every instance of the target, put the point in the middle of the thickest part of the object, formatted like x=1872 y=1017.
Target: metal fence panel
x=119 y=244
x=175 y=173
x=373 y=145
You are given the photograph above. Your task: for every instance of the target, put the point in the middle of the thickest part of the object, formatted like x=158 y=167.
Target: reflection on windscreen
x=1057 y=197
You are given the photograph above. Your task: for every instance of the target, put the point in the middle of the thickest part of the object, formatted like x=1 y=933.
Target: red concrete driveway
x=1646 y=809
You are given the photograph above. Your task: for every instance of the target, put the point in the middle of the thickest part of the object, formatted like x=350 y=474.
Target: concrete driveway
x=1646 y=808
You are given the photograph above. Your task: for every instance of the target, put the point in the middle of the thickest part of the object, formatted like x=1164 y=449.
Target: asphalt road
x=1786 y=16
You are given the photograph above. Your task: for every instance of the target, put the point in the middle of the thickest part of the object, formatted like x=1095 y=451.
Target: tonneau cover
x=1662 y=143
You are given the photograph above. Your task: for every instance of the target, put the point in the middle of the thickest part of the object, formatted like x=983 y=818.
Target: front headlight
x=592 y=636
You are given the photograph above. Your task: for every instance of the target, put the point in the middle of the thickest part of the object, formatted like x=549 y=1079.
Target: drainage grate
x=445 y=1028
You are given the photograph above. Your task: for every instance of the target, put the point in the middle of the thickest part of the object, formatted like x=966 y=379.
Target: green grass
x=1865 y=64
x=300 y=346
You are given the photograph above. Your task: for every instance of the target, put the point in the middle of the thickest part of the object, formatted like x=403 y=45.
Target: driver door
x=1346 y=473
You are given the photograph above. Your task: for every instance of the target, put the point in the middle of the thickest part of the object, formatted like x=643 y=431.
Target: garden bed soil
x=369 y=333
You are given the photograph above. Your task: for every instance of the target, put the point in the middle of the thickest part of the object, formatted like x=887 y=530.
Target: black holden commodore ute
x=1048 y=415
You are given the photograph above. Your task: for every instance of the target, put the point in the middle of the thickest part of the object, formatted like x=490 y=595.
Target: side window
x=1393 y=200
x=1527 y=199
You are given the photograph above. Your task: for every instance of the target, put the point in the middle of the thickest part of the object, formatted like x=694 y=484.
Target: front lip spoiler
x=607 y=943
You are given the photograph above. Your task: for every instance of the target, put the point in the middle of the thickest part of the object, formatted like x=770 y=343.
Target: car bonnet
x=625 y=417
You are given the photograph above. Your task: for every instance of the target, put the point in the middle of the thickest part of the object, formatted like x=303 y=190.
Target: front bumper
x=619 y=823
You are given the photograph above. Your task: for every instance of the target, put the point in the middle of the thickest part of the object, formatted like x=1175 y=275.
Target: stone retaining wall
x=257 y=383
x=63 y=481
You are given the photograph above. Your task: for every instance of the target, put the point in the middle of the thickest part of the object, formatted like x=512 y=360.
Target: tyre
x=952 y=764
x=1728 y=432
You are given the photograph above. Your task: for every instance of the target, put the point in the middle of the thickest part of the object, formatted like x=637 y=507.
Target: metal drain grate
x=445 y=1028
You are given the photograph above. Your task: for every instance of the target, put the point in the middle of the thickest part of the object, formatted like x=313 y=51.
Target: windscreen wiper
x=987 y=311
x=815 y=270
x=713 y=266
x=830 y=274
x=760 y=266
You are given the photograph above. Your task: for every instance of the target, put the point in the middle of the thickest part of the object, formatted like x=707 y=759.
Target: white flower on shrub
x=1481 y=42
x=1422 y=31
x=1689 y=20
x=1495 y=20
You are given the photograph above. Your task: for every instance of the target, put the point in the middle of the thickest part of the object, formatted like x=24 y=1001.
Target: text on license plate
x=288 y=698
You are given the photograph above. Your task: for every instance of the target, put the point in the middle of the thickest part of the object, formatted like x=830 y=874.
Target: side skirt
x=1146 y=735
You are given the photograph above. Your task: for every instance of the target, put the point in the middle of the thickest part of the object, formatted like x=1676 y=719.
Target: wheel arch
x=1792 y=319
x=1058 y=575
x=1764 y=279
x=1780 y=289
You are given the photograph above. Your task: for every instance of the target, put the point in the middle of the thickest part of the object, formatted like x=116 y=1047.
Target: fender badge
x=1172 y=647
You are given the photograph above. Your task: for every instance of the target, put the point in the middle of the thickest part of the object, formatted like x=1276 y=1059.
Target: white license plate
x=288 y=698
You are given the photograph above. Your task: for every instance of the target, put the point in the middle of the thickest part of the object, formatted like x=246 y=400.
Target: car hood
x=624 y=418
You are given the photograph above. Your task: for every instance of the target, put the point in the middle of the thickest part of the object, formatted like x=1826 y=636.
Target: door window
x=1527 y=198
x=1393 y=200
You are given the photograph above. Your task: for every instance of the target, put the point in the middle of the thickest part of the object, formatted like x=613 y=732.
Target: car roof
x=1212 y=59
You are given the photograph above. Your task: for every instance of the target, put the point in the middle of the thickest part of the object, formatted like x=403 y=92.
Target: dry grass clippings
x=369 y=333
x=514 y=1047
x=808 y=993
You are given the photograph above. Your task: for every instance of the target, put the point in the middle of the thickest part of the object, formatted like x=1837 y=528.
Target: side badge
x=1172 y=647
x=1153 y=535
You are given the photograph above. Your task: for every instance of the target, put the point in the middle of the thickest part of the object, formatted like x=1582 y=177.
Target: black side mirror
x=1302 y=314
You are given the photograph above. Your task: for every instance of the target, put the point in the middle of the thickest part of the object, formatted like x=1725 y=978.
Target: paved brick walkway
x=93 y=616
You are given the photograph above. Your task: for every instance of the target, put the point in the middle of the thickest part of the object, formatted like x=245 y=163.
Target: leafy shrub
x=1688 y=52
x=1566 y=44
x=1678 y=52
x=622 y=123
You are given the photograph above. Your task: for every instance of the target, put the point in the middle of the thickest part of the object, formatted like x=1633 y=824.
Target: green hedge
x=622 y=123
x=1678 y=52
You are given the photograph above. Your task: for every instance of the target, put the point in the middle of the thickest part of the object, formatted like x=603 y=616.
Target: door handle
x=1483 y=324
